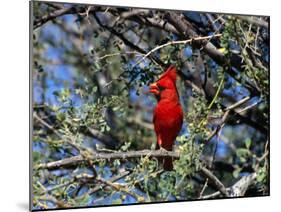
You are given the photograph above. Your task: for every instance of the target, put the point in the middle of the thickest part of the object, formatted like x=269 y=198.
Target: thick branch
x=238 y=189
x=57 y=13
x=217 y=183
x=66 y=162
x=127 y=155
x=154 y=22
x=187 y=31
x=254 y=20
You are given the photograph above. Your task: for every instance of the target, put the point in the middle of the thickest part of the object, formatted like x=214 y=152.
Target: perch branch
x=75 y=160
x=107 y=156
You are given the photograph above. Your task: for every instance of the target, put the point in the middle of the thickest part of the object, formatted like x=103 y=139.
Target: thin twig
x=119 y=53
x=237 y=104
x=225 y=116
x=81 y=177
x=204 y=188
x=112 y=179
x=249 y=107
x=217 y=183
x=44 y=123
x=86 y=13
x=122 y=188
x=255 y=21
x=177 y=42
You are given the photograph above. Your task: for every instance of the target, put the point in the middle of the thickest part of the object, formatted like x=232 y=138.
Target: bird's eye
x=161 y=88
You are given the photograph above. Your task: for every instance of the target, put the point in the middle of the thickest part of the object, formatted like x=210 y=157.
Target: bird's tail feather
x=168 y=164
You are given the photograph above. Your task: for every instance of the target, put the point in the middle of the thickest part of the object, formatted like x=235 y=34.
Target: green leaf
x=107 y=128
x=236 y=172
x=95 y=88
x=248 y=143
x=36 y=156
x=242 y=152
x=116 y=163
x=117 y=202
x=261 y=174
x=243 y=159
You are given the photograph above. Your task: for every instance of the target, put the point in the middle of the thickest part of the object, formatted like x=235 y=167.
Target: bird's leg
x=159 y=141
x=159 y=145
x=163 y=149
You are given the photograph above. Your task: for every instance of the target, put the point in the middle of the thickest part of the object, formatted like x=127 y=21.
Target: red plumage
x=168 y=115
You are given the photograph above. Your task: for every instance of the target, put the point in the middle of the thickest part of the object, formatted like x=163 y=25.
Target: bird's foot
x=163 y=150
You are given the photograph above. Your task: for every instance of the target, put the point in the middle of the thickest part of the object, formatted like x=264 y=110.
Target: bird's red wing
x=167 y=125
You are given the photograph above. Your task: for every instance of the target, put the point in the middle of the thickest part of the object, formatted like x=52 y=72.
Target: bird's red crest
x=170 y=72
x=167 y=80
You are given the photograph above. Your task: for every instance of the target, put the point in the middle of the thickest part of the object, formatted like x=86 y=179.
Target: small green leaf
x=261 y=174
x=107 y=128
x=117 y=202
x=236 y=172
x=95 y=88
x=116 y=163
x=242 y=152
x=248 y=143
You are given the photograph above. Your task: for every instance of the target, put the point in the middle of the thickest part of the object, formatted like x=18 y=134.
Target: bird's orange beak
x=153 y=88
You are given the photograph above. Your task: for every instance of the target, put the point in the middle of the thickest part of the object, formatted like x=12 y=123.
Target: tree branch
x=225 y=116
x=70 y=141
x=75 y=160
x=187 y=31
x=254 y=20
x=154 y=22
x=238 y=189
x=217 y=183
x=112 y=180
x=53 y=15
x=177 y=42
x=127 y=42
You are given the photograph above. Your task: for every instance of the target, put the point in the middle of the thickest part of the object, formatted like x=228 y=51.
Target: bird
x=167 y=114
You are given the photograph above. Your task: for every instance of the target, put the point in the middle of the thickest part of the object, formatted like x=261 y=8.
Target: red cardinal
x=168 y=115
